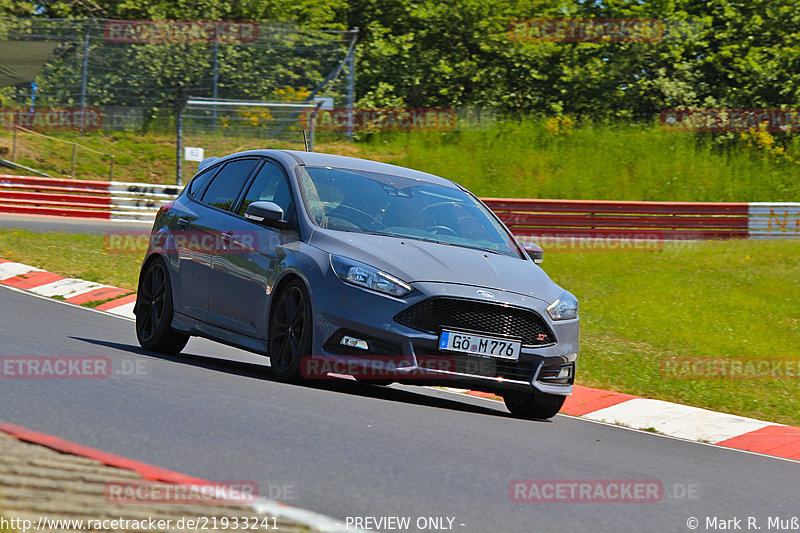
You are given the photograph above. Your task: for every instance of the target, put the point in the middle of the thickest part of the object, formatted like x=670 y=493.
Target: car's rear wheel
x=290 y=331
x=536 y=406
x=154 y=312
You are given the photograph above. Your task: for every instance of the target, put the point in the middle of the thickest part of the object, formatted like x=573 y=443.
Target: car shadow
x=345 y=386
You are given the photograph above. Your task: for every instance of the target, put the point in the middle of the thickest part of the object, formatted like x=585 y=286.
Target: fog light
x=565 y=372
x=353 y=342
x=557 y=374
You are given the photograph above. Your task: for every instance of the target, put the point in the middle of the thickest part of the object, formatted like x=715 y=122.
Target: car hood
x=420 y=261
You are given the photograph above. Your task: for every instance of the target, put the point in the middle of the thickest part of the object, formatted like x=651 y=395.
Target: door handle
x=183 y=222
x=227 y=237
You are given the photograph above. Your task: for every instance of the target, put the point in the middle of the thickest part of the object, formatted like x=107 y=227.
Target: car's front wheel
x=536 y=406
x=154 y=311
x=290 y=332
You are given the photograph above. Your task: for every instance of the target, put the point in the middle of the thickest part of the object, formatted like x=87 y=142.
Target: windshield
x=383 y=204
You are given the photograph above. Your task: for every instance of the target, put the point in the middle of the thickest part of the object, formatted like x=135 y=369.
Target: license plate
x=479 y=345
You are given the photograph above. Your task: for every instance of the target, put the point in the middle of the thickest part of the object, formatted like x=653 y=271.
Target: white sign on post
x=191 y=153
x=327 y=102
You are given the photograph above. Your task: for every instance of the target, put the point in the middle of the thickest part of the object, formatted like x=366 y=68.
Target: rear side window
x=225 y=187
x=269 y=186
x=199 y=181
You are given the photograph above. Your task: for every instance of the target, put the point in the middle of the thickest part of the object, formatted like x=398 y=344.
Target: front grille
x=479 y=366
x=440 y=312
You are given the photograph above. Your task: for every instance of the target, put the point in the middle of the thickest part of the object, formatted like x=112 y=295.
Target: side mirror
x=534 y=251
x=267 y=213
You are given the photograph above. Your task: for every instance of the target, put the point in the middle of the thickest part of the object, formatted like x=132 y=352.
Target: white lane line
x=67 y=288
x=9 y=270
x=683 y=421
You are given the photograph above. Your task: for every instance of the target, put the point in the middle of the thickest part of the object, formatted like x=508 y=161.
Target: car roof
x=317 y=159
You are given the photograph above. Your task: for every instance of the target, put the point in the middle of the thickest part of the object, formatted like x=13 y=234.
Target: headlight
x=564 y=308
x=368 y=277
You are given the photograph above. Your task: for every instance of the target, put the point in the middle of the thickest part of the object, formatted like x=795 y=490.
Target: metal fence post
x=74 y=155
x=215 y=88
x=84 y=77
x=351 y=85
x=311 y=127
x=179 y=144
x=14 y=145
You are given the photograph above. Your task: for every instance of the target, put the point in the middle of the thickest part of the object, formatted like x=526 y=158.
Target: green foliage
x=313 y=13
x=15 y=8
x=460 y=53
x=717 y=53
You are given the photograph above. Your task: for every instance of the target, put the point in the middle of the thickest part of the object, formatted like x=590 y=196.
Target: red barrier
x=660 y=220
x=41 y=197
x=30 y=182
x=64 y=197
x=568 y=218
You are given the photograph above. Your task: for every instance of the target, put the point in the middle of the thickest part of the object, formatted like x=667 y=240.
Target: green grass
x=518 y=159
x=146 y=158
x=731 y=300
x=622 y=162
x=86 y=257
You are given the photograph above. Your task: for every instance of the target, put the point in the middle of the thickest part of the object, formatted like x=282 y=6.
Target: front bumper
x=364 y=314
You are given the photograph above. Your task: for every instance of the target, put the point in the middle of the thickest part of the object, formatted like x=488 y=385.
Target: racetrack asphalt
x=94 y=226
x=347 y=449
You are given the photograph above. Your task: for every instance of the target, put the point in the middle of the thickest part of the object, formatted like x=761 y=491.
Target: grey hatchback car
x=334 y=266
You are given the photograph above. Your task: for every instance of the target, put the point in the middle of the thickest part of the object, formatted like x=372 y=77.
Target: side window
x=269 y=186
x=199 y=181
x=228 y=182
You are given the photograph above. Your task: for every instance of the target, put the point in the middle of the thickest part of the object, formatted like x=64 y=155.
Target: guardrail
x=112 y=200
x=651 y=220
x=526 y=218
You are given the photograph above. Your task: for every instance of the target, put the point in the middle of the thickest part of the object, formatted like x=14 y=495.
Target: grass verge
x=519 y=159
x=86 y=257
x=640 y=310
x=646 y=316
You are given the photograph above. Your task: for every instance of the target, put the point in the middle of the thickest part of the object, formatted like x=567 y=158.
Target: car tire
x=534 y=406
x=154 y=311
x=290 y=331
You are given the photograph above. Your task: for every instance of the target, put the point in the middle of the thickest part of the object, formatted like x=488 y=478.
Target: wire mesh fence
x=113 y=75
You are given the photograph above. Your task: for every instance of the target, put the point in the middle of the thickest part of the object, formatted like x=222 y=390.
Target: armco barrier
x=526 y=218
x=83 y=198
x=663 y=220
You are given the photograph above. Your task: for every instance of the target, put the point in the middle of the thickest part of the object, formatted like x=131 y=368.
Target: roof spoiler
x=206 y=162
